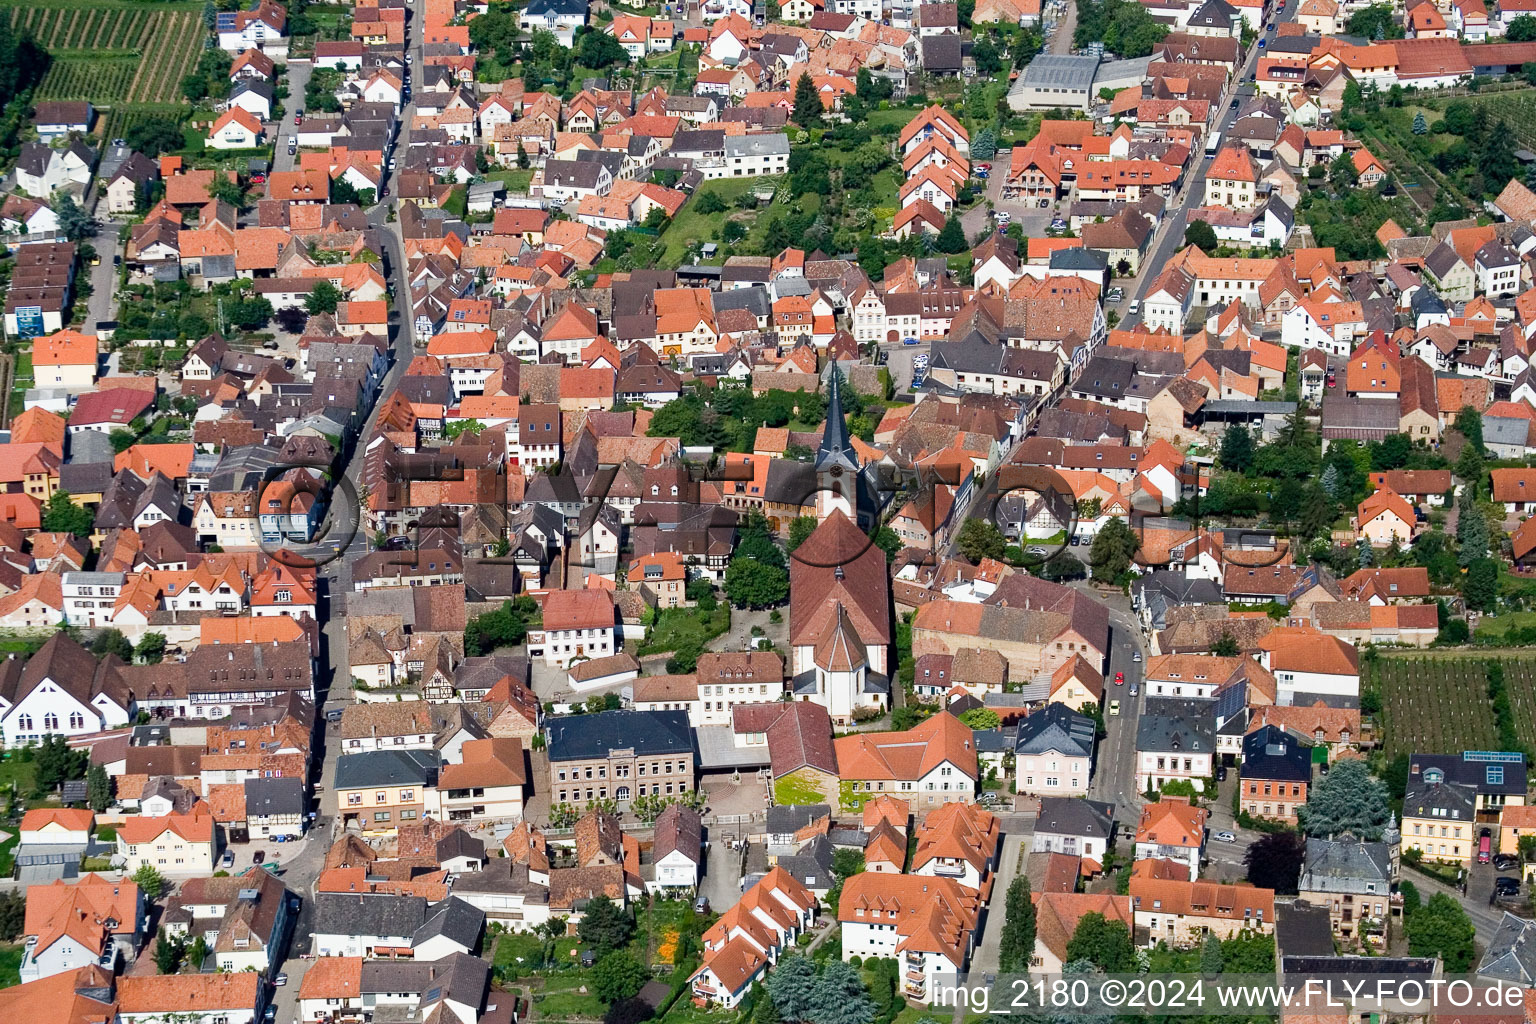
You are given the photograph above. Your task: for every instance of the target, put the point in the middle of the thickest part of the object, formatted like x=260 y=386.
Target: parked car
x=258 y=856
x=983 y=166
x=982 y=175
x=1506 y=861
x=228 y=860
x=1134 y=689
x=1114 y=707
x=298 y=117
x=119 y=142
x=1059 y=224
x=1221 y=773
x=1506 y=885
x=588 y=957
x=270 y=1017
x=1135 y=307
x=1119 y=678
x=281 y=979
x=1115 y=294
x=701 y=905
x=1224 y=837
x=334 y=715
x=1136 y=657
x=909 y=341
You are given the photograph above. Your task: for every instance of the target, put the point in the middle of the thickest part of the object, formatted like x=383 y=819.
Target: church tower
x=837 y=465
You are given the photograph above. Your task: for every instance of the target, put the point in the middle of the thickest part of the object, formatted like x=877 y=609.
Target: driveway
x=1013 y=857
x=298 y=80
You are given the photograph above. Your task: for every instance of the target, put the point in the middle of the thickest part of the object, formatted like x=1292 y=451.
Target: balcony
x=949 y=870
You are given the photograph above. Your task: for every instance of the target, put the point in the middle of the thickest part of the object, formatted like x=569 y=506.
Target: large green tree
x=1236 y=448
x=1105 y=943
x=751 y=583
x=1274 y=861
x=617 y=977
x=792 y=987
x=1441 y=928
x=840 y=996
x=605 y=926
x=61 y=515
x=1113 y=548
x=980 y=539
x=1017 y=945
x=1346 y=800
x=808 y=105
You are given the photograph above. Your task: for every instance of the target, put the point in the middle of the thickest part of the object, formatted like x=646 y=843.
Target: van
x=1485 y=848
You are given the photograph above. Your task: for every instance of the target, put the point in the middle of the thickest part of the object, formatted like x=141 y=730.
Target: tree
x=600 y=50
x=168 y=951
x=617 y=977
x=604 y=927
x=61 y=515
x=1347 y=799
x=1481 y=588
x=13 y=913
x=1412 y=901
x=151 y=649
x=808 y=105
x=1441 y=928
x=507 y=626
x=323 y=298
x=74 y=222
x=226 y=191
x=1062 y=566
x=121 y=440
x=1226 y=646
x=1236 y=448
x=1210 y=955
x=984 y=52
x=985 y=146
x=1274 y=861
x=112 y=641
x=1113 y=548
x=792 y=987
x=952 y=238
x=839 y=996
x=1200 y=234
x=198 y=953
x=1521 y=30
x=1471 y=533
x=98 y=788
x=1469 y=423
x=194 y=86
x=251 y=314
x=981 y=718
x=56 y=762
x=154 y=135
x=292 y=318
x=800 y=528
x=979 y=538
x=1105 y=943
x=750 y=583
x=1420 y=125
x=1375 y=23
x=1342 y=173
x=150 y=882
x=1018 y=939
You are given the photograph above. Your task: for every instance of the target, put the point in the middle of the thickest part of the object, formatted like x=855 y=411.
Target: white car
x=1224 y=837
x=1114 y=707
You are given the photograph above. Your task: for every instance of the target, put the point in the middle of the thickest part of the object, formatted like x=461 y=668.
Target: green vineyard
x=115 y=54
x=1439 y=704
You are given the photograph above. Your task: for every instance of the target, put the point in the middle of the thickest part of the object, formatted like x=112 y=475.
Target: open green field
x=111 y=52
x=691 y=226
x=675 y=627
x=1439 y=703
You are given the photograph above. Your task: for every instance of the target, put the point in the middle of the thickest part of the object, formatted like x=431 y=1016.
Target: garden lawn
x=684 y=1012
x=690 y=226
x=10 y=965
x=675 y=626
x=515 y=180
x=1498 y=625
x=14 y=770
x=563 y=998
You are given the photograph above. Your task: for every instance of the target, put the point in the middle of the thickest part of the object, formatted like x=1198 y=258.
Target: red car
x=298 y=118
x=983 y=167
x=1119 y=678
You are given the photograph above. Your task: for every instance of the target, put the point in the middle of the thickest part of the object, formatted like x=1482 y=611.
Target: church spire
x=836 y=449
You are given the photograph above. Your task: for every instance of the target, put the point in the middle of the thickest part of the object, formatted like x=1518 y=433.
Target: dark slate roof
x=1062 y=815
x=1059 y=728
x=580 y=737
x=1170 y=724
x=789 y=818
x=1511 y=954
x=1504 y=775
x=1272 y=753
x=374 y=768
x=265 y=797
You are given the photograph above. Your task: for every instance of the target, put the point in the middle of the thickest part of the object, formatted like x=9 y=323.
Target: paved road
x=1114 y=775
x=1169 y=237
